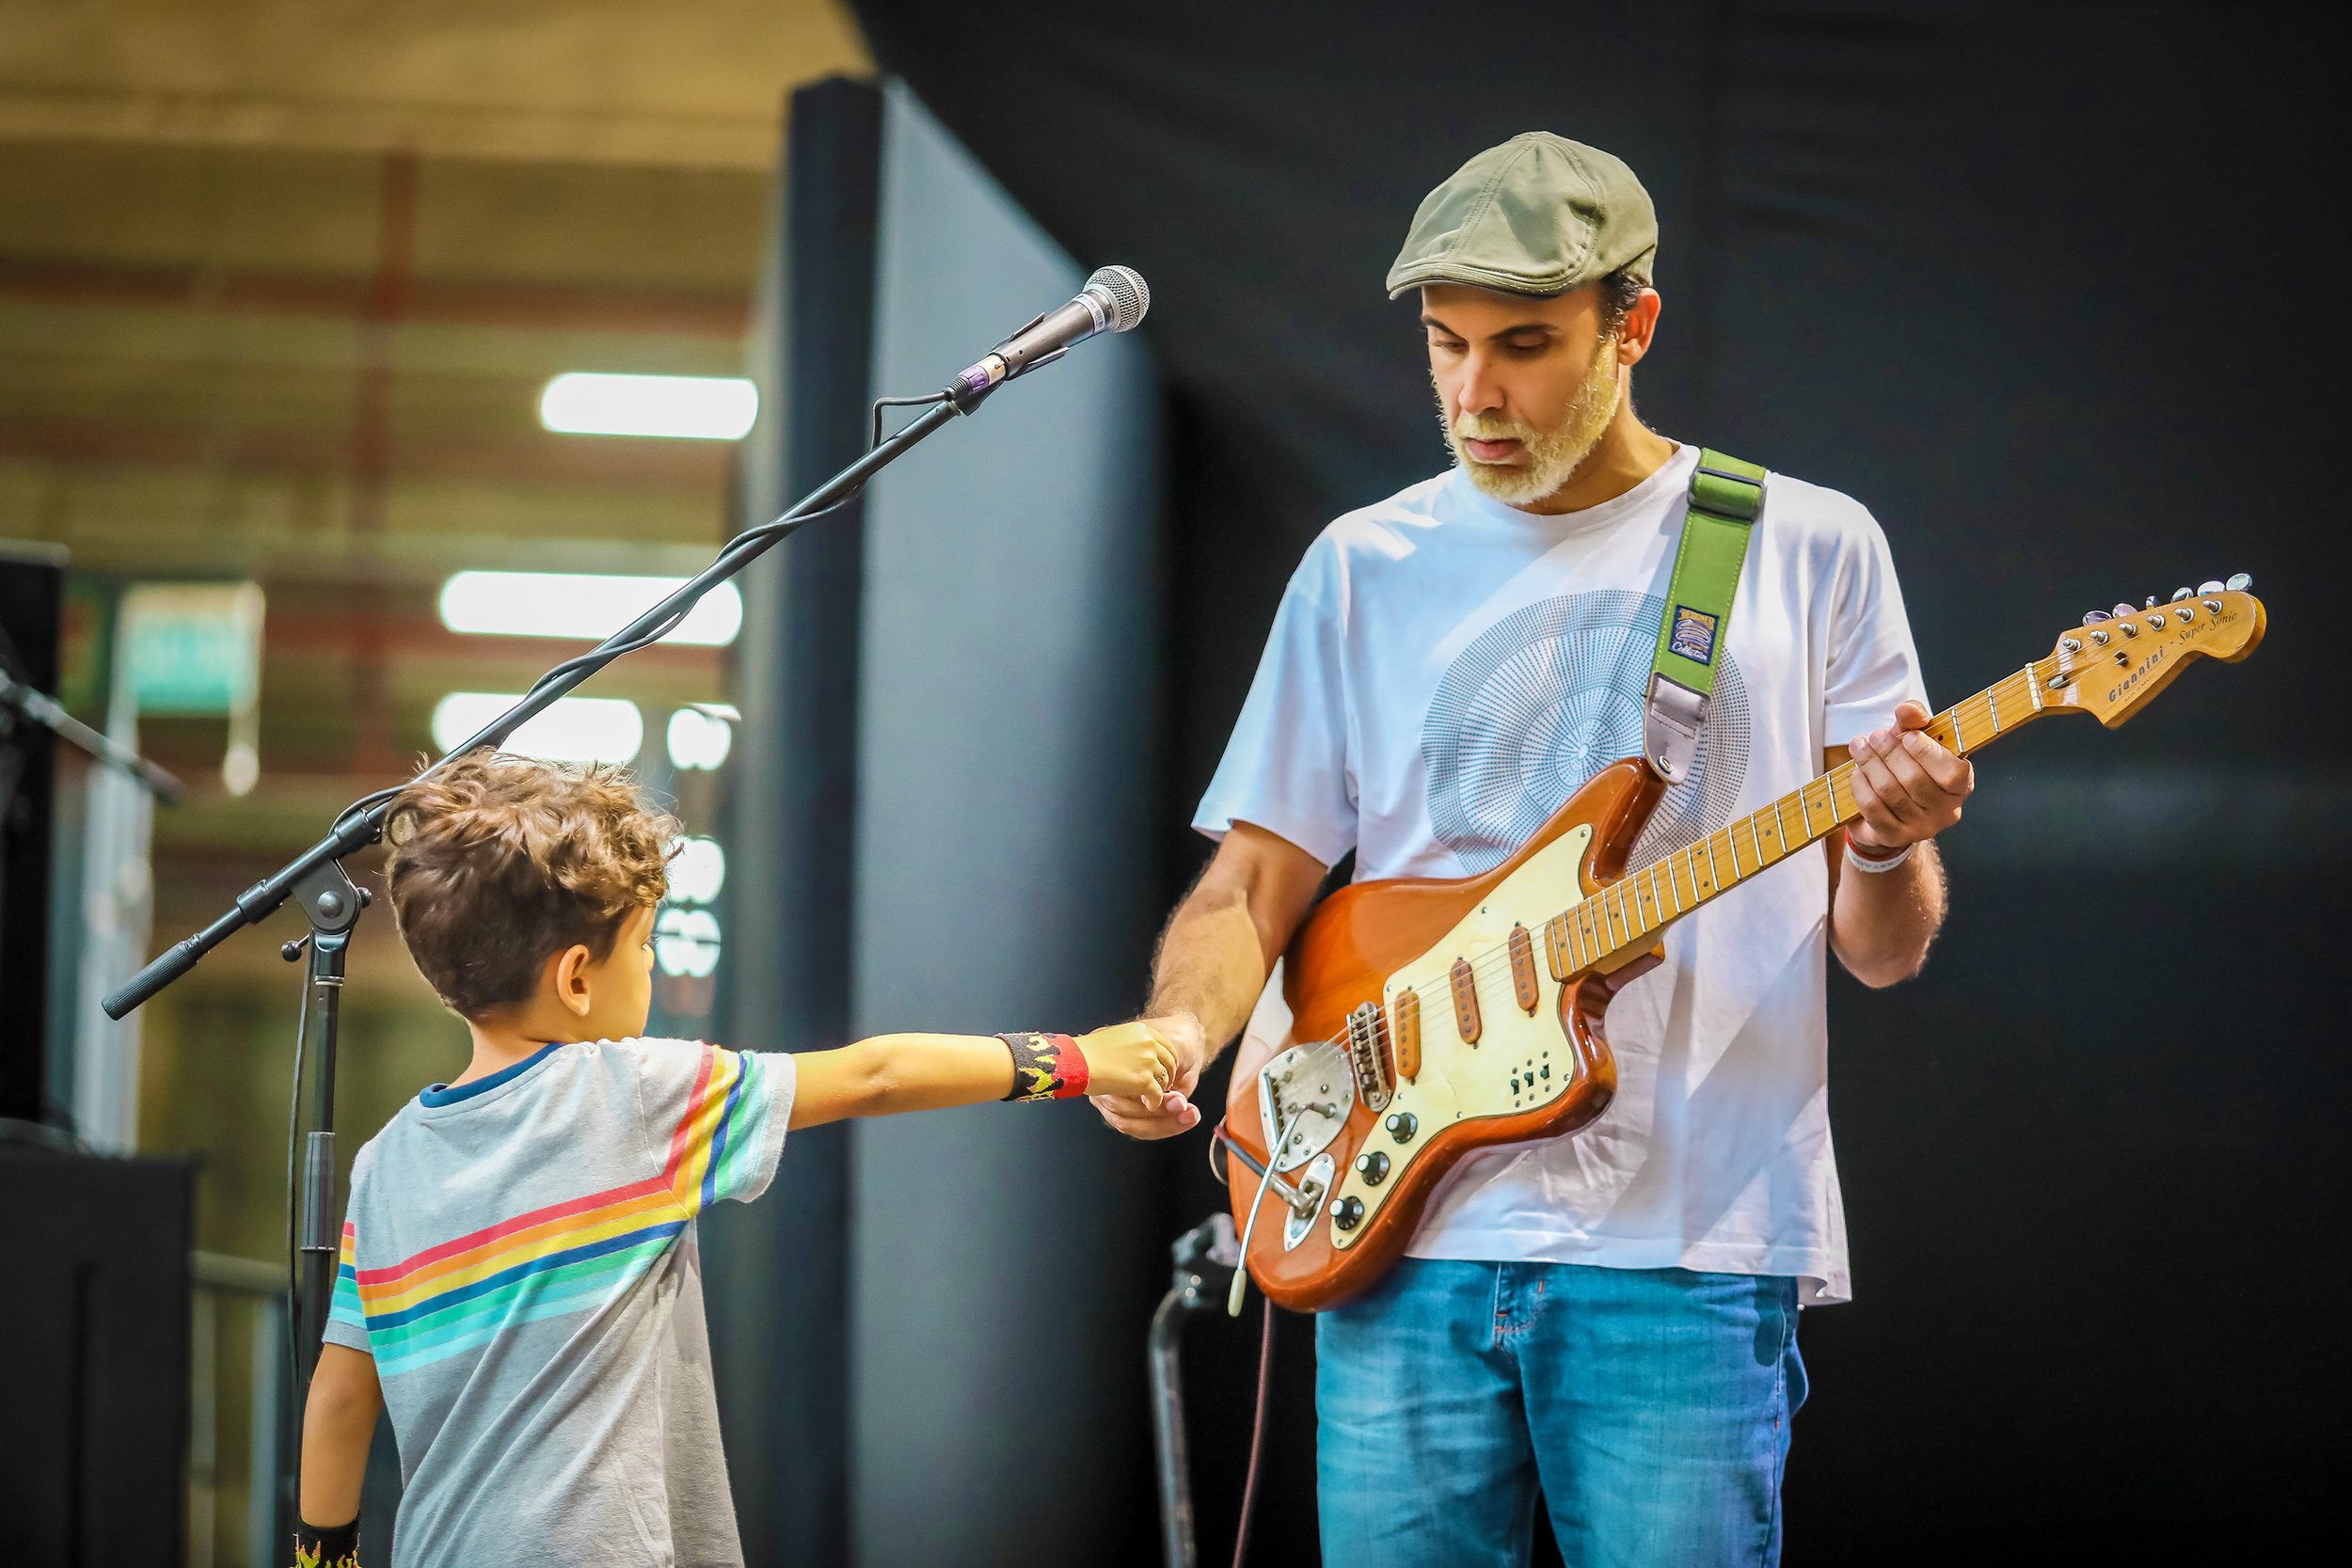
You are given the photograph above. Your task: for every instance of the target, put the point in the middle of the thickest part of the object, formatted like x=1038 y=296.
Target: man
x=1607 y=1320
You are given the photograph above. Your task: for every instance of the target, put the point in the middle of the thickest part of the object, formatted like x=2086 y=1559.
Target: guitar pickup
x=1404 y=1033
x=1523 y=970
x=1465 y=1020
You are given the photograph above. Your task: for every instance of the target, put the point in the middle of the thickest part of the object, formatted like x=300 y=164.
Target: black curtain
x=2049 y=289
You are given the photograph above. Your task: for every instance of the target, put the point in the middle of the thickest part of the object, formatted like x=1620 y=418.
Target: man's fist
x=1166 y=1110
x=1128 y=1059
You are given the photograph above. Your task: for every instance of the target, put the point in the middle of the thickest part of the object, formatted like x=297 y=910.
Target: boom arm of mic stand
x=357 y=829
x=46 y=711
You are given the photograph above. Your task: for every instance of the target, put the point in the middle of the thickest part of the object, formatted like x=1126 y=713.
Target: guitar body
x=1531 y=1072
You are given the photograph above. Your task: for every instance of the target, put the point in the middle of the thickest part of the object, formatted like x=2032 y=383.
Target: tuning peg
x=2209 y=586
x=2239 y=582
x=2093 y=617
x=2123 y=610
x=2180 y=594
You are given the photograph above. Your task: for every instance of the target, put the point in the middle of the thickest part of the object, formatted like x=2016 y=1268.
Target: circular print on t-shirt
x=1545 y=698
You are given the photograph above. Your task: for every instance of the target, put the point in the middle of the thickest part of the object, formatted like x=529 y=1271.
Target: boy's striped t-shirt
x=520 y=1258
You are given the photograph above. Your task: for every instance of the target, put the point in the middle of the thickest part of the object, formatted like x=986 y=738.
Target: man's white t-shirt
x=1443 y=673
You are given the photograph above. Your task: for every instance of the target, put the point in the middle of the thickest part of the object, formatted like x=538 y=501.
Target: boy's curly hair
x=499 y=862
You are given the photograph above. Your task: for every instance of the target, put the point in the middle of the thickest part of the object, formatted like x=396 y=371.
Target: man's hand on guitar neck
x=1909 y=788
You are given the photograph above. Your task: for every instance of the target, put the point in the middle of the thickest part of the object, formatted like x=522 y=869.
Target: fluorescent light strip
x=697 y=871
x=584 y=605
x=688 y=408
x=572 y=729
x=698 y=741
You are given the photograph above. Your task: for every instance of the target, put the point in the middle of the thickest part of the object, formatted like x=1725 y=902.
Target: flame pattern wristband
x=329 y=1546
x=1045 y=1067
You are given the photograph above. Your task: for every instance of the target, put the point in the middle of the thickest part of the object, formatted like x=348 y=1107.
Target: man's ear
x=570 y=976
x=1641 y=322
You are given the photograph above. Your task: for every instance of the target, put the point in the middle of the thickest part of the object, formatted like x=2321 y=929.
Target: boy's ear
x=571 y=978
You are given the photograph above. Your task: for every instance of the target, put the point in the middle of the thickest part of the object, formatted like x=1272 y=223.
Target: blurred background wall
x=1011 y=574
x=279 y=287
x=935 y=1302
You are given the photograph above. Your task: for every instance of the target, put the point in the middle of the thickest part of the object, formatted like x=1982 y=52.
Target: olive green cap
x=1540 y=214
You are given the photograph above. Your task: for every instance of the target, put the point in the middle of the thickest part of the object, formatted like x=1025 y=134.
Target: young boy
x=520 y=1283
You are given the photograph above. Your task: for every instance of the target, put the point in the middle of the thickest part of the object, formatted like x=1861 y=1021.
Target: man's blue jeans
x=1649 y=1406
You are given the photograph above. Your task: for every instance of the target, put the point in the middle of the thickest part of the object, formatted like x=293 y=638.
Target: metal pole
x=264 y=1488
x=203 y=1429
x=1174 y=1470
x=1205 y=1257
x=320 y=1218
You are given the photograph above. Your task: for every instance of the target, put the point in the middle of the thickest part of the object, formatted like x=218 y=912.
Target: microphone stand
x=36 y=704
x=21 y=704
x=332 y=903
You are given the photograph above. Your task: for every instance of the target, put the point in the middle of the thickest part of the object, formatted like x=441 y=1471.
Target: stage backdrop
x=2052 y=289
x=931 y=1337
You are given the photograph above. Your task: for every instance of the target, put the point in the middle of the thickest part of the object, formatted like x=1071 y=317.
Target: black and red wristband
x=331 y=1546
x=1045 y=1067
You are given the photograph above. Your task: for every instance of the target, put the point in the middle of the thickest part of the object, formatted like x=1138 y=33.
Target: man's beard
x=1551 y=455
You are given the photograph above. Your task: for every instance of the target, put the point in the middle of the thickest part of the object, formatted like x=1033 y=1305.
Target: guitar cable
x=1265 y=1334
x=1257 y=1434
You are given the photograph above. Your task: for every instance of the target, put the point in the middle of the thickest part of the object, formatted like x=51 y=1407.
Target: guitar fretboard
x=1631 y=912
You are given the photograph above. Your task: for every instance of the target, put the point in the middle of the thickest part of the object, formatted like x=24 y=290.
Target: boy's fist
x=1128 y=1058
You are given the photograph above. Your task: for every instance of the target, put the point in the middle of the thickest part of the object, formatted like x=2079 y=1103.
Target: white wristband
x=1874 y=867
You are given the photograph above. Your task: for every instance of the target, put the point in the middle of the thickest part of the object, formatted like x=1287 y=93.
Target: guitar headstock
x=2119 y=659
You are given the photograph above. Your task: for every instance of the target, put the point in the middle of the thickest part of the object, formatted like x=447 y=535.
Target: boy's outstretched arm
x=338 y=1422
x=890 y=1073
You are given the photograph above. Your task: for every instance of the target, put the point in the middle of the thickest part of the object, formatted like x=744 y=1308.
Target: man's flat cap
x=1540 y=214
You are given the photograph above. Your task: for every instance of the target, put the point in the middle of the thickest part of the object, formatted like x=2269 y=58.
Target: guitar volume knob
x=1372 y=1167
x=1347 y=1213
x=1402 y=1125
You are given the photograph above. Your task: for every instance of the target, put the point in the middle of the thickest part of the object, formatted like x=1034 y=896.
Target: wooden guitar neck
x=1623 y=919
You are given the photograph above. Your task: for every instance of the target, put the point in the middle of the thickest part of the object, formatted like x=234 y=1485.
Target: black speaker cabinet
x=94 y=1345
x=32 y=600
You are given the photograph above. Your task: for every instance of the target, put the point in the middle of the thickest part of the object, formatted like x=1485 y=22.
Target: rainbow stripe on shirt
x=566 y=1257
x=718 y=1139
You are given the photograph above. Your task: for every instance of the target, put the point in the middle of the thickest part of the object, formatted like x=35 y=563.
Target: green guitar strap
x=1726 y=498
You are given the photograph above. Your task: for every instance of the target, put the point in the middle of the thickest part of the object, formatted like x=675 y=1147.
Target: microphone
x=1113 y=300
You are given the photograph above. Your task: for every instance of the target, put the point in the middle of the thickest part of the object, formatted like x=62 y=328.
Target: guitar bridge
x=1368 y=1056
x=1303 y=1101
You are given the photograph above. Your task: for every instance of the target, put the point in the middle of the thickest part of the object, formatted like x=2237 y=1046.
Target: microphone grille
x=1130 y=296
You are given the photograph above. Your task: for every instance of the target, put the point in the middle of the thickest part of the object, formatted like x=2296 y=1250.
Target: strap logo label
x=1694 y=634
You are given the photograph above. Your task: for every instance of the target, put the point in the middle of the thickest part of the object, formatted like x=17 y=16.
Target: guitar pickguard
x=1522 y=1061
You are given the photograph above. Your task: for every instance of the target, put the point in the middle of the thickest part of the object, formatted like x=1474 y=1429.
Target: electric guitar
x=1446 y=1016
